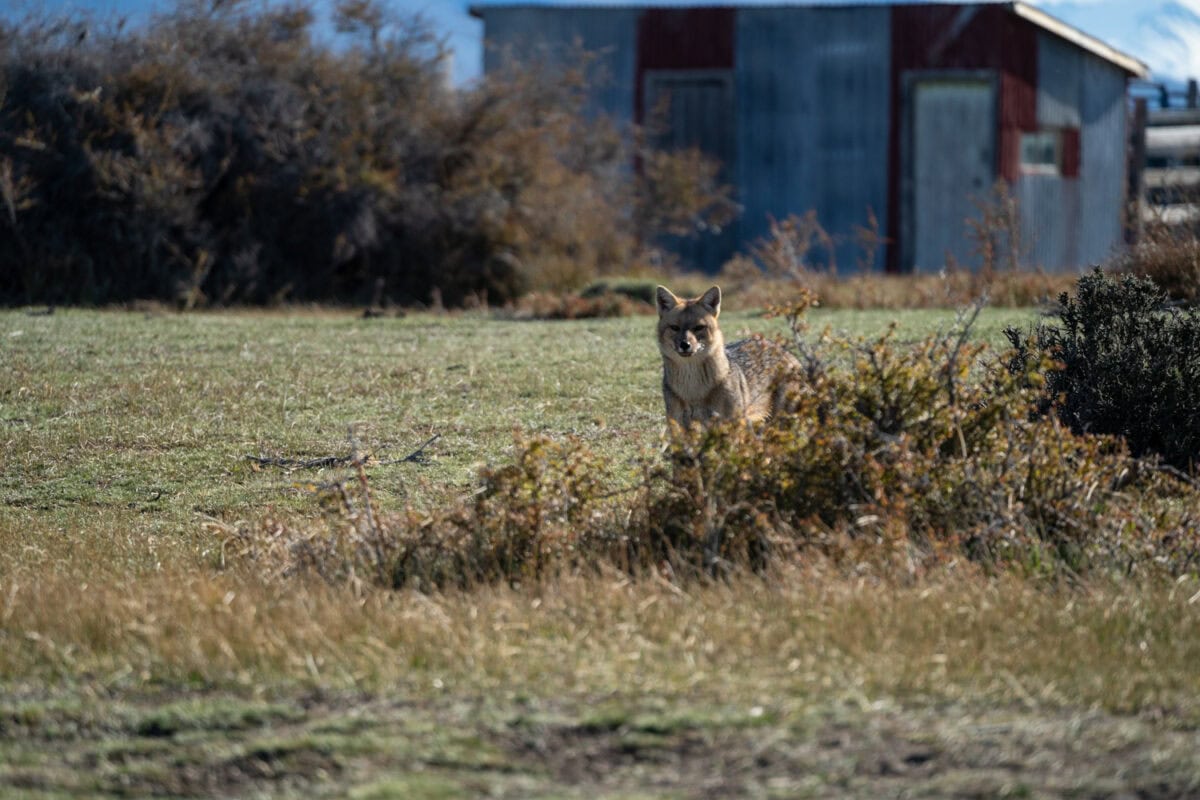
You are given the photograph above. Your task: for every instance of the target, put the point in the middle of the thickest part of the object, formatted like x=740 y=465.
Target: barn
x=908 y=112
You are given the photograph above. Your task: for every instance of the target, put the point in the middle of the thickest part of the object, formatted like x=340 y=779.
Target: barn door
x=696 y=108
x=953 y=147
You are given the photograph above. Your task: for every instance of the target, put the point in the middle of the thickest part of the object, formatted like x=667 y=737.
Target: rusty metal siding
x=686 y=38
x=526 y=32
x=813 y=113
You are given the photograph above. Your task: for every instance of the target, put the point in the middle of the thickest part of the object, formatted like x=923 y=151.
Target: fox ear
x=712 y=299
x=666 y=300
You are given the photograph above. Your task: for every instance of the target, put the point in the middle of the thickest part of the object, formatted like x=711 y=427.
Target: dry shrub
x=1169 y=255
x=902 y=458
x=897 y=458
x=797 y=253
x=996 y=232
x=679 y=193
x=222 y=155
x=569 y=305
x=950 y=289
x=543 y=513
x=796 y=249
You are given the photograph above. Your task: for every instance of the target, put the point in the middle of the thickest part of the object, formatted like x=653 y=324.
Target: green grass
x=132 y=665
x=135 y=424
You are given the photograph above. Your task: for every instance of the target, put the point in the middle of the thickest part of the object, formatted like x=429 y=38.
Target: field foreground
x=134 y=661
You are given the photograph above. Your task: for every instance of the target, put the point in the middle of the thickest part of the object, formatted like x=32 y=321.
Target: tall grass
x=1125 y=648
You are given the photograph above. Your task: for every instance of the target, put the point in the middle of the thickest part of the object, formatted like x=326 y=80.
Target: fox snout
x=686 y=344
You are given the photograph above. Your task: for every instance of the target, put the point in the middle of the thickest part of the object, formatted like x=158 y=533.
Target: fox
x=705 y=379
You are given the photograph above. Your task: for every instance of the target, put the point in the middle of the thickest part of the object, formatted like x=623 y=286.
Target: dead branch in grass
x=356 y=458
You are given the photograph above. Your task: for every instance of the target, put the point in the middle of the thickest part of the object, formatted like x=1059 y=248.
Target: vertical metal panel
x=1073 y=219
x=813 y=114
x=953 y=141
x=1102 y=161
x=698 y=106
x=1059 y=76
x=685 y=56
x=1049 y=209
x=526 y=32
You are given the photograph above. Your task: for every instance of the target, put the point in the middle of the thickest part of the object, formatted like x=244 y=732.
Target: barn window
x=1041 y=152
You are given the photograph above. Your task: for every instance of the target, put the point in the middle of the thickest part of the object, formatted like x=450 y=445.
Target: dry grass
x=123 y=481
x=124 y=439
x=876 y=291
x=806 y=635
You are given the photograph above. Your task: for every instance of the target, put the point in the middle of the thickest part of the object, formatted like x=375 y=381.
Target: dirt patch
x=927 y=753
x=283 y=767
x=586 y=747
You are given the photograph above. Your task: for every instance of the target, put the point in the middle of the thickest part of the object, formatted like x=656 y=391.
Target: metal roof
x=1040 y=18
x=1085 y=41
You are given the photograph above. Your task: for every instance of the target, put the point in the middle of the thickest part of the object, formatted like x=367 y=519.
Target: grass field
x=133 y=664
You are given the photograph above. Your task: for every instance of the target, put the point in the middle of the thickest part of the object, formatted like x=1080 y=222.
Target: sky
x=1163 y=33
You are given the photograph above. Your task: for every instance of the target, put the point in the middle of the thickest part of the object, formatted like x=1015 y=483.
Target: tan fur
x=706 y=379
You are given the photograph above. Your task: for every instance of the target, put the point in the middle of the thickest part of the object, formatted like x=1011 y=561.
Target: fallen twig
x=299 y=463
x=415 y=457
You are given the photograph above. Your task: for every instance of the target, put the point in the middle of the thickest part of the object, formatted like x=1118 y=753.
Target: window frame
x=1051 y=137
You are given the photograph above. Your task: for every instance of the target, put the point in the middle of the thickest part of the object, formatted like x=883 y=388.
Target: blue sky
x=1163 y=33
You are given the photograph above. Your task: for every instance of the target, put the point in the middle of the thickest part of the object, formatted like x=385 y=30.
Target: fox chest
x=701 y=392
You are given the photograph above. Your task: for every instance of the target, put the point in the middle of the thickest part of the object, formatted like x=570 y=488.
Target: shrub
x=797 y=253
x=568 y=305
x=641 y=290
x=995 y=232
x=873 y=290
x=901 y=458
x=796 y=248
x=223 y=155
x=1169 y=255
x=1129 y=366
x=896 y=458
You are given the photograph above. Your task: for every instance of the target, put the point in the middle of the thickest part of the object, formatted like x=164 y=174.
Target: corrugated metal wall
x=821 y=123
x=1073 y=219
x=813 y=111
x=1102 y=161
x=610 y=33
x=685 y=58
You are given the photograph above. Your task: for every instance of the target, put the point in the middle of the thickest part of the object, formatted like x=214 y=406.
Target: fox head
x=687 y=329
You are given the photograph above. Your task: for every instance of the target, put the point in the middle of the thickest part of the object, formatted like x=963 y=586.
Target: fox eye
x=700 y=329
x=673 y=328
